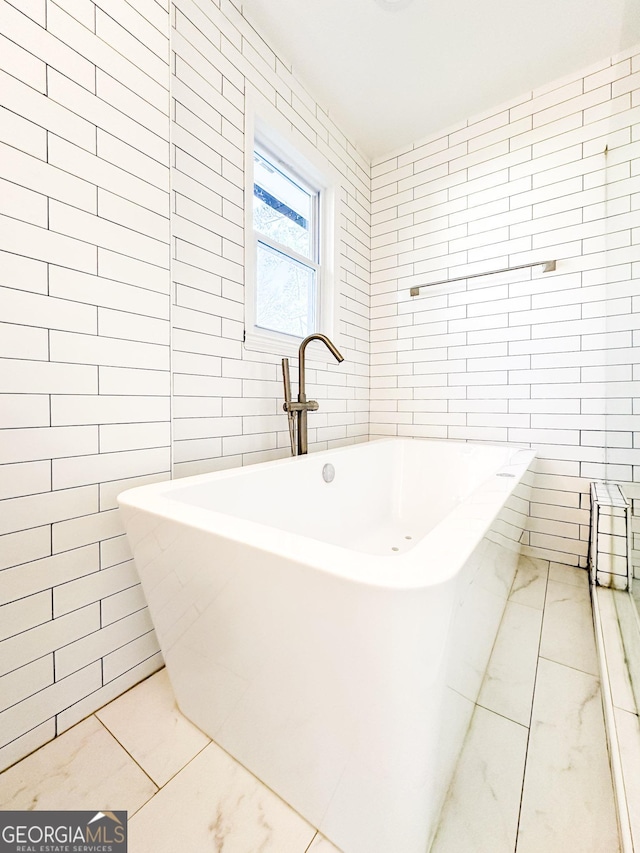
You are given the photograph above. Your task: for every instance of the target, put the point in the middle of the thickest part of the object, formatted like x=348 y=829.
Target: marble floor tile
x=613 y=651
x=530 y=583
x=567 y=627
x=147 y=722
x=567 y=800
x=322 y=845
x=628 y=733
x=629 y=626
x=509 y=680
x=480 y=814
x=84 y=768
x=568 y=574
x=214 y=804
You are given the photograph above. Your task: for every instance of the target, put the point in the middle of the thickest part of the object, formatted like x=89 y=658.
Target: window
x=291 y=241
x=287 y=238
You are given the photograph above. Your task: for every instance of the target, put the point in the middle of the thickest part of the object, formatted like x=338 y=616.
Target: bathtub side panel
x=329 y=691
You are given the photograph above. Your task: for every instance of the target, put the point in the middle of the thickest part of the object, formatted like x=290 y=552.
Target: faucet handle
x=307 y=406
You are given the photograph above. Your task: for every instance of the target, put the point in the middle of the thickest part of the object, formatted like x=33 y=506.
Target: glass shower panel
x=621 y=373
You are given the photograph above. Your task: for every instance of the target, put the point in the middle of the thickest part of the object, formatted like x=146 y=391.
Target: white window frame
x=266 y=129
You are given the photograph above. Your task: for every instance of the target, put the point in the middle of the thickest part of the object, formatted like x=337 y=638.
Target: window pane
x=285 y=298
x=282 y=209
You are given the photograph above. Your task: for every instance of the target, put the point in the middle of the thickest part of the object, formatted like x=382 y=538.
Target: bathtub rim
x=434 y=559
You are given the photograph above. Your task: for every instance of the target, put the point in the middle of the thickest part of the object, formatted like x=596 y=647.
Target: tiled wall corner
x=121 y=305
x=540 y=360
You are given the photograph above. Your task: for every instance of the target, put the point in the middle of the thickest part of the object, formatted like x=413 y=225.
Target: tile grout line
x=533 y=699
x=310 y=844
x=568 y=666
x=159 y=786
x=137 y=763
x=502 y=716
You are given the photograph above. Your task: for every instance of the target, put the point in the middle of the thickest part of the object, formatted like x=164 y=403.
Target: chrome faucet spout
x=303 y=405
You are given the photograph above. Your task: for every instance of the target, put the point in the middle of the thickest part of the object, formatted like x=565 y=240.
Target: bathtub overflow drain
x=328 y=472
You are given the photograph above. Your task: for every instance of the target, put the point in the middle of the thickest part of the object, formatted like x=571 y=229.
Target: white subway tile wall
x=84 y=299
x=122 y=317
x=122 y=307
x=544 y=360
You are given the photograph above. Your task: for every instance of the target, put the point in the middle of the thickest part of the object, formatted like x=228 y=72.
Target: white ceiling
x=390 y=77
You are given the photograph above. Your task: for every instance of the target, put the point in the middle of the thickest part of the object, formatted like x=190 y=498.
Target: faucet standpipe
x=298 y=411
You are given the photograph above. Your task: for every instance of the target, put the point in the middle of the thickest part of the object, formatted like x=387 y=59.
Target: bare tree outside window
x=285 y=220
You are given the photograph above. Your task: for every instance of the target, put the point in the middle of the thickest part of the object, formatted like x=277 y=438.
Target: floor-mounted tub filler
x=328 y=619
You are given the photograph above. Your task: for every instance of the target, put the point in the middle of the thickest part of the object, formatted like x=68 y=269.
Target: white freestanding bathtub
x=332 y=636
